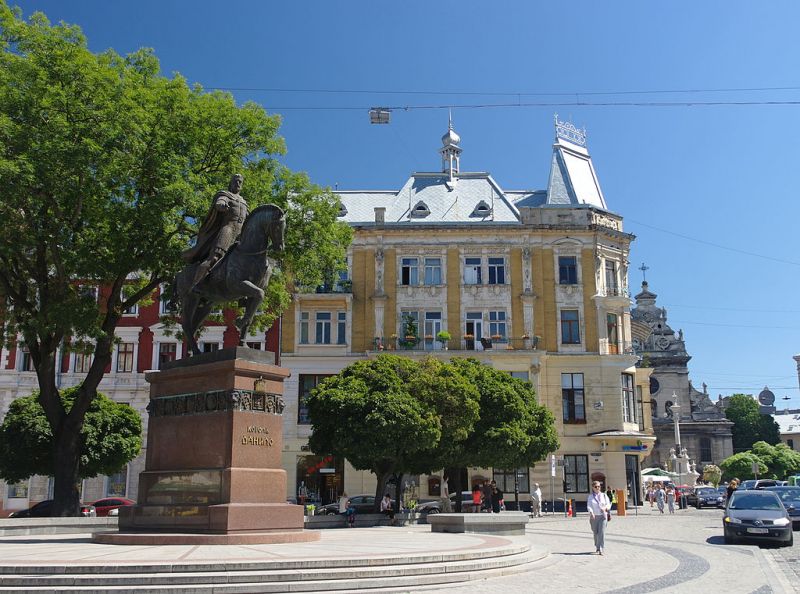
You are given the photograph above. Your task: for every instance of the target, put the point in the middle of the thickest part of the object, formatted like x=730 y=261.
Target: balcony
x=428 y=344
x=342 y=286
x=618 y=348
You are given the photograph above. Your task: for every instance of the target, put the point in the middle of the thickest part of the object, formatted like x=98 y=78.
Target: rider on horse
x=219 y=230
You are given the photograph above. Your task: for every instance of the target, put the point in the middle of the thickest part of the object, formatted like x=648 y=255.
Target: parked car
x=105 y=505
x=43 y=509
x=364 y=504
x=705 y=497
x=757 y=484
x=758 y=516
x=435 y=506
x=790 y=497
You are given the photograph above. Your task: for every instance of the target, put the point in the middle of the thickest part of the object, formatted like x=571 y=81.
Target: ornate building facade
x=144 y=344
x=534 y=283
x=704 y=430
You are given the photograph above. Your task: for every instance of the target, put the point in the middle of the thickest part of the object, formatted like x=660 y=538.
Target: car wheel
x=789 y=542
x=433 y=510
x=699 y=506
x=330 y=512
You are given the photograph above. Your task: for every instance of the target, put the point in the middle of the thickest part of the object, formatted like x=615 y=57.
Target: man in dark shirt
x=497 y=498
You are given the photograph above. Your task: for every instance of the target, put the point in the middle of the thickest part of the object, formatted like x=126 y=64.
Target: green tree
x=712 y=474
x=105 y=170
x=741 y=466
x=513 y=430
x=367 y=414
x=111 y=437
x=749 y=425
x=781 y=461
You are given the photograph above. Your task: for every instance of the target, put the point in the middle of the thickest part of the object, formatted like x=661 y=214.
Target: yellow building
x=534 y=283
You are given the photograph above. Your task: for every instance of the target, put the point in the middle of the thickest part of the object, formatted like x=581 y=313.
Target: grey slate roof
x=432 y=199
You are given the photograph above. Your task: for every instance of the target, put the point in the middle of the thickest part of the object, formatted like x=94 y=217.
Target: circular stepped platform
x=477 y=557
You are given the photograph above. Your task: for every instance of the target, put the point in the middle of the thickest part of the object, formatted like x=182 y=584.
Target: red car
x=105 y=505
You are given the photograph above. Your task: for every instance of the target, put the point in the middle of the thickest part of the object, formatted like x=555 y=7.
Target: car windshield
x=706 y=492
x=750 y=501
x=788 y=494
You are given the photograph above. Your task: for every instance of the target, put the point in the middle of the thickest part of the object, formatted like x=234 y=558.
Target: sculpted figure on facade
x=526 y=269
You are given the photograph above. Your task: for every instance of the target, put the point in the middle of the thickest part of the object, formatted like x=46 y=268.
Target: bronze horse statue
x=242 y=274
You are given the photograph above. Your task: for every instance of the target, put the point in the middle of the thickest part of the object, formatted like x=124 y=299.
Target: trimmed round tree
x=111 y=437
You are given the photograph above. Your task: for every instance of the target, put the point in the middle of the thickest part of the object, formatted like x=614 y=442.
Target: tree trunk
x=67 y=472
x=398 y=491
x=381 y=475
x=454 y=476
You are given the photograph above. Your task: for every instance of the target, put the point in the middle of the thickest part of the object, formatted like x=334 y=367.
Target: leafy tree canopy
x=741 y=466
x=392 y=415
x=106 y=168
x=781 y=461
x=749 y=425
x=110 y=438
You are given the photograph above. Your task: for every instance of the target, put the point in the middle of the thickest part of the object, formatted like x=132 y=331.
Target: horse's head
x=277 y=230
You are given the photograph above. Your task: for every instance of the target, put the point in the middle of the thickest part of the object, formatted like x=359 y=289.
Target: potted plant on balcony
x=409 y=336
x=443 y=337
x=526 y=341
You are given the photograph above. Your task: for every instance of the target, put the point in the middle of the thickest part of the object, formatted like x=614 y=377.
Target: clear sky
x=710 y=191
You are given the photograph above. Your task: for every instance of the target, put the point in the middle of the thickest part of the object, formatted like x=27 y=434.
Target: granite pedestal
x=213 y=468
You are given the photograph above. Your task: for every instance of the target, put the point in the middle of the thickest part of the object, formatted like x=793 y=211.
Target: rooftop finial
x=567 y=131
x=450 y=150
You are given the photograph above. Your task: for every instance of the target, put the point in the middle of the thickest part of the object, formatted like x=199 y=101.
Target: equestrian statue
x=221 y=269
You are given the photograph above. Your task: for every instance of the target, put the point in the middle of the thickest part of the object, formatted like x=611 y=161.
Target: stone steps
x=333 y=575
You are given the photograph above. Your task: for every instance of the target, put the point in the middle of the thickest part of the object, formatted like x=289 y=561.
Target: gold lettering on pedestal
x=257 y=436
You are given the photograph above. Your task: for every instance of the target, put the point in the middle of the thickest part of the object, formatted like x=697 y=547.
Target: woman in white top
x=343 y=501
x=598 y=506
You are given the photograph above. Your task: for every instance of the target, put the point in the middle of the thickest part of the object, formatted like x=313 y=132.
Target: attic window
x=342 y=210
x=482 y=209
x=420 y=210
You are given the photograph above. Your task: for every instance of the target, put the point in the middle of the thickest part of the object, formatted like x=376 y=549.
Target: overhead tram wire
x=577 y=103
x=504 y=93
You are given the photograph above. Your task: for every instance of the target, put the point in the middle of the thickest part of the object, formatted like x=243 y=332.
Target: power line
x=751 y=310
x=518 y=104
x=501 y=93
x=782 y=327
x=716 y=245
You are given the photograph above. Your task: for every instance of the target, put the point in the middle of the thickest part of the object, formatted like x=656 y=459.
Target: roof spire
x=450 y=150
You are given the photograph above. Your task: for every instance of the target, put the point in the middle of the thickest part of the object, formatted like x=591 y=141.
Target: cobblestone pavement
x=648 y=552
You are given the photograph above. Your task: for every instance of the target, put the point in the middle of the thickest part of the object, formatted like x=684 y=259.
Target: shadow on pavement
x=44 y=539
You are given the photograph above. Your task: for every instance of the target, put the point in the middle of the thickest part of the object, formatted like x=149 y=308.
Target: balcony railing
x=614 y=292
x=342 y=286
x=619 y=348
x=413 y=343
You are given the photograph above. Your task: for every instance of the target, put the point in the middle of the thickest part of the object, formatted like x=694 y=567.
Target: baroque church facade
x=705 y=432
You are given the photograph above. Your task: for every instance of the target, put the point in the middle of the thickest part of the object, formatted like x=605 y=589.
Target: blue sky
x=710 y=191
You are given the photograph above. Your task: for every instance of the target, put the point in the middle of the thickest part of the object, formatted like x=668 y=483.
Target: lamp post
x=676 y=415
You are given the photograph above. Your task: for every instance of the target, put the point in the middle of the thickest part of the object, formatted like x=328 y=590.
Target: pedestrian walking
x=651 y=494
x=351 y=514
x=497 y=498
x=661 y=496
x=487 y=496
x=344 y=501
x=477 y=497
x=732 y=486
x=671 y=499
x=536 y=501
x=598 y=506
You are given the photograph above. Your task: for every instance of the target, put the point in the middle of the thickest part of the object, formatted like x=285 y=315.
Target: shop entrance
x=320 y=479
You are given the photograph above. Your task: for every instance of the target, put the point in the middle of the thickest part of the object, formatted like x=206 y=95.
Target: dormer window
x=342 y=210
x=482 y=209
x=420 y=210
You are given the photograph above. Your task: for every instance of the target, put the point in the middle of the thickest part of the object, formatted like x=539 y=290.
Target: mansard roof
x=454 y=197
